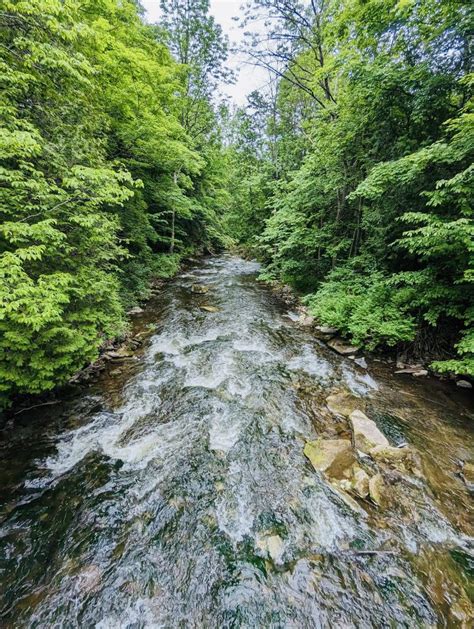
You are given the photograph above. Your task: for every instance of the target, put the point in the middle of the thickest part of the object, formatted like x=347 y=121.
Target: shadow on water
x=174 y=492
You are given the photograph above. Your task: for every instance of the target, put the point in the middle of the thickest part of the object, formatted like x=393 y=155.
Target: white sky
x=249 y=77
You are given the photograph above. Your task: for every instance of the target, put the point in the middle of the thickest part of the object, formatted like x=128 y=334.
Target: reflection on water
x=175 y=493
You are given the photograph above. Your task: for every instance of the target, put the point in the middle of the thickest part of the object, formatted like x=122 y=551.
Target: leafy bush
x=366 y=308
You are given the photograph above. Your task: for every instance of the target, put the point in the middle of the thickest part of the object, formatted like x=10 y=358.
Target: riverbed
x=174 y=492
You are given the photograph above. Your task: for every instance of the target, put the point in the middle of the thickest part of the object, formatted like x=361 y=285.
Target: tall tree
x=197 y=43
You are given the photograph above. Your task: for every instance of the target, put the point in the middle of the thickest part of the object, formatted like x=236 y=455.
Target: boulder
x=376 y=488
x=343 y=403
x=366 y=433
x=332 y=456
x=341 y=347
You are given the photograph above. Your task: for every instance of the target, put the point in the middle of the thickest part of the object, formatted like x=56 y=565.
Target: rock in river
x=376 y=488
x=361 y=482
x=326 y=330
x=389 y=454
x=366 y=433
x=272 y=545
x=135 y=311
x=339 y=346
x=200 y=289
x=343 y=403
x=333 y=456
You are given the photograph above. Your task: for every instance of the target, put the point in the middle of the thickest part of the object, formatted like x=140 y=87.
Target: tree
x=199 y=45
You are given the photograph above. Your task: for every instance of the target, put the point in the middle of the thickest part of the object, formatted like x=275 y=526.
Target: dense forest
x=349 y=176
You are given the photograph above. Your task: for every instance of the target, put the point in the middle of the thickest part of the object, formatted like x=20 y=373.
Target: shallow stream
x=174 y=491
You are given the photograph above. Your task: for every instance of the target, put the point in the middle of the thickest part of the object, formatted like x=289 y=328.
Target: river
x=174 y=492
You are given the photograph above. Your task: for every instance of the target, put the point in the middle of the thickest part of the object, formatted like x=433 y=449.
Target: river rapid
x=174 y=491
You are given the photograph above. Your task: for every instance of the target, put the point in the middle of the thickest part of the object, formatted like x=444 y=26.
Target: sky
x=249 y=77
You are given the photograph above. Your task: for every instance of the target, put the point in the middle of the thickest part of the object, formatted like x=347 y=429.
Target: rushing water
x=175 y=492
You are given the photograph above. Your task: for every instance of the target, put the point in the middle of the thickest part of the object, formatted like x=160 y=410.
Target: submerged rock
x=366 y=433
x=333 y=456
x=272 y=545
x=376 y=489
x=208 y=308
x=341 y=347
x=343 y=403
x=89 y=579
x=199 y=289
x=389 y=453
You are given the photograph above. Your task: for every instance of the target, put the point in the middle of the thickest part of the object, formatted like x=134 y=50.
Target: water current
x=174 y=491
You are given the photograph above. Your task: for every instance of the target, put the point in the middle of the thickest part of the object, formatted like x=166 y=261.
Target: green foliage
x=367 y=143
x=101 y=185
x=365 y=307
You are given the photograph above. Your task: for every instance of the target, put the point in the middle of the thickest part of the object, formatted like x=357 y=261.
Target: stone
x=120 y=355
x=200 y=289
x=273 y=545
x=389 y=454
x=332 y=456
x=361 y=362
x=409 y=369
x=464 y=384
x=341 y=488
x=343 y=403
x=366 y=433
x=339 y=346
x=468 y=473
x=306 y=320
x=89 y=579
x=208 y=308
x=421 y=373
x=376 y=488
x=135 y=311
x=360 y=484
x=327 y=330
